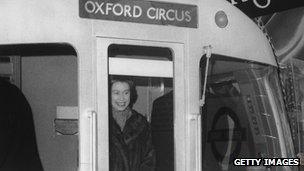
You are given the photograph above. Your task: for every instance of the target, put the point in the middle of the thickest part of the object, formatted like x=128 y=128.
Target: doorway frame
x=101 y=156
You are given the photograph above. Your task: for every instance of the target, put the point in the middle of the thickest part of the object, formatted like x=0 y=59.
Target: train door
x=243 y=116
x=152 y=67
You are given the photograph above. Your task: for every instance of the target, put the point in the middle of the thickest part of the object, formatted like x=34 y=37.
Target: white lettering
x=237 y=162
x=108 y=7
x=188 y=16
x=137 y=11
x=99 y=8
x=258 y=161
x=127 y=11
x=162 y=14
x=271 y=161
x=89 y=6
x=134 y=11
x=149 y=13
x=120 y=9
x=296 y=162
x=247 y=162
x=157 y=13
x=261 y=6
x=281 y=161
x=182 y=16
x=168 y=15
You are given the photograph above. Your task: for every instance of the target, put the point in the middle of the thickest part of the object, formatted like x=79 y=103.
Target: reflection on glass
x=238 y=119
x=293 y=85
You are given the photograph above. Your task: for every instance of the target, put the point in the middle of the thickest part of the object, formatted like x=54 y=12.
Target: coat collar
x=133 y=127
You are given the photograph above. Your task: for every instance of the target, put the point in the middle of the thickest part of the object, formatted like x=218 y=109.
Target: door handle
x=93 y=126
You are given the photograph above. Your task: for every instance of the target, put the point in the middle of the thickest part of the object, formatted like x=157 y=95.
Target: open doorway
x=150 y=69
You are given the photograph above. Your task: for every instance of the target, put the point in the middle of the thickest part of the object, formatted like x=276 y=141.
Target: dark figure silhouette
x=18 y=149
x=162 y=132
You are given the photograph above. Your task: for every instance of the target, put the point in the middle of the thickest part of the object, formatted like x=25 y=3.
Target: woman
x=130 y=136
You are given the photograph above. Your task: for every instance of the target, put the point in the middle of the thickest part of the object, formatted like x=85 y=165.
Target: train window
x=239 y=118
x=47 y=76
x=276 y=94
x=293 y=84
x=141 y=135
x=55 y=113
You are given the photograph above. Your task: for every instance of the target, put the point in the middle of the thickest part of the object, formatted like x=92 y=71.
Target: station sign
x=256 y=8
x=148 y=12
x=223 y=134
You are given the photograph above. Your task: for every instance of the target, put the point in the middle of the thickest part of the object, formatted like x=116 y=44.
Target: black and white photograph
x=152 y=85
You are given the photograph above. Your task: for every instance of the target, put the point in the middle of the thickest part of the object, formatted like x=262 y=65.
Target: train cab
x=205 y=76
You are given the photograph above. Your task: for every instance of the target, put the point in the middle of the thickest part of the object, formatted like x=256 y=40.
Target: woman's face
x=120 y=95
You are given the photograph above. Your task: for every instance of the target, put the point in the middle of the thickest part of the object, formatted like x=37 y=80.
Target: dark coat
x=162 y=132
x=131 y=149
x=18 y=149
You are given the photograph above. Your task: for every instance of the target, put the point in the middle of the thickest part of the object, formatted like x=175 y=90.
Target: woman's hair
x=133 y=93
